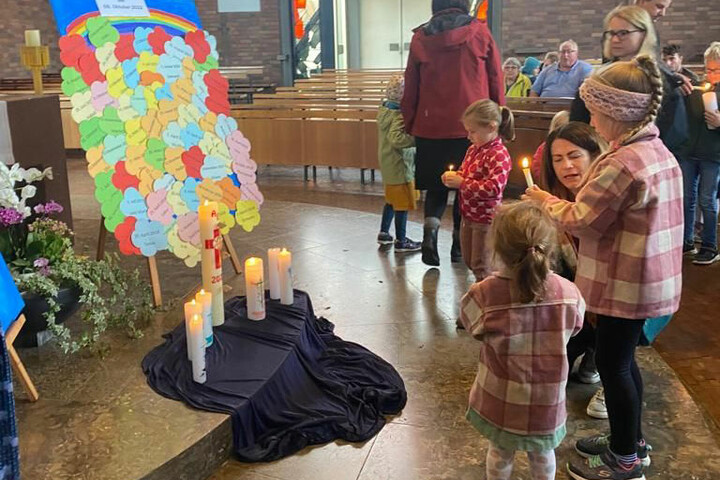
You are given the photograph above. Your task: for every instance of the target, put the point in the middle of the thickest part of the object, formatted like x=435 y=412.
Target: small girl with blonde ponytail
x=629 y=219
x=524 y=316
x=481 y=179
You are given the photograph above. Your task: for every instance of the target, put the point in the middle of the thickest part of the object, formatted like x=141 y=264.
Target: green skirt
x=512 y=441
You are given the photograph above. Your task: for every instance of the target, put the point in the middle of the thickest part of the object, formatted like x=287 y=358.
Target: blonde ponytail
x=487 y=112
x=506 y=129
x=649 y=67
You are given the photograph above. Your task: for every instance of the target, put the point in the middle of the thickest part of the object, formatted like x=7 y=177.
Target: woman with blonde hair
x=628 y=216
x=629 y=31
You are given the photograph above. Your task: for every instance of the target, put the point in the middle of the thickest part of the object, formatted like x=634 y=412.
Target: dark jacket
x=704 y=143
x=453 y=62
x=671 y=121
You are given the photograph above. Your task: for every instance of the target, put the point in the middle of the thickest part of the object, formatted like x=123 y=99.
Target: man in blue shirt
x=565 y=77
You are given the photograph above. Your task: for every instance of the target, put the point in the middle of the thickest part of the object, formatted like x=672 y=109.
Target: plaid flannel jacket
x=485 y=171
x=523 y=367
x=629 y=219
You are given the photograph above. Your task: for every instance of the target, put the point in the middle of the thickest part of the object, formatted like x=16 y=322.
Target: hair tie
x=535 y=248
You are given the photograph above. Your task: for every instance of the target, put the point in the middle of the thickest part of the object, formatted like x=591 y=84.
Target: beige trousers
x=475 y=247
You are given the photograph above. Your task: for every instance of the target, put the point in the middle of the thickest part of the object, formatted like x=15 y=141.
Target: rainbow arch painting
x=155 y=122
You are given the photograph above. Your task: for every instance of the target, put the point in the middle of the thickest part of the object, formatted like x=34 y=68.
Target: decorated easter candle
x=212 y=259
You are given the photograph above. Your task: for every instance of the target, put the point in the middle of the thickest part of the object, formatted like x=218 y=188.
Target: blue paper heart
x=138 y=102
x=133 y=205
x=213 y=45
x=225 y=126
x=200 y=104
x=178 y=49
x=164 y=182
x=114 y=149
x=140 y=44
x=188 y=194
x=173 y=135
x=164 y=92
x=130 y=71
x=170 y=68
x=149 y=237
x=214 y=169
x=191 y=135
x=201 y=88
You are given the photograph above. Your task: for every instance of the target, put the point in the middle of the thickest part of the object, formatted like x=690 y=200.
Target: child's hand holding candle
x=451 y=178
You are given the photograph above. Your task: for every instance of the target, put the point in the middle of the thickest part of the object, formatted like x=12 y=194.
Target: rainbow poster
x=155 y=123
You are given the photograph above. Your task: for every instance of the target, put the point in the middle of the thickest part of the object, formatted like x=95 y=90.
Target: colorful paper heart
x=214 y=169
x=90 y=69
x=133 y=204
x=110 y=209
x=114 y=149
x=116 y=82
x=245 y=170
x=188 y=67
x=155 y=153
x=123 y=234
x=147 y=62
x=183 y=90
x=174 y=164
x=149 y=237
x=134 y=132
x=135 y=158
x=101 y=31
x=215 y=81
x=230 y=192
x=110 y=122
x=167 y=111
x=173 y=135
x=239 y=146
x=250 y=191
x=183 y=250
x=138 y=102
x=193 y=160
x=188 y=194
x=150 y=94
x=188 y=114
x=189 y=228
x=106 y=58
x=164 y=183
x=247 y=214
x=140 y=44
x=226 y=220
x=208 y=121
x=103 y=186
x=72 y=47
x=200 y=46
x=148 y=78
x=82 y=107
x=147 y=177
x=209 y=191
x=169 y=67
x=122 y=180
x=175 y=200
x=210 y=64
x=212 y=41
x=101 y=97
x=124 y=49
x=72 y=82
x=198 y=79
x=125 y=109
x=158 y=208
x=132 y=76
x=151 y=124
x=225 y=126
x=191 y=135
x=178 y=49
x=96 y=162
x=157 y=40
x=199 y=103
x=218 y=102
x=164 y=93
x=90 y=133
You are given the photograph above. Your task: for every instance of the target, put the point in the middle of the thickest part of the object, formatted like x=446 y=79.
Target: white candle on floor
x=191 y=308
x=197 y=344
x=205 y=300
x=255 y=288
x=274 y=273
x=286 y=278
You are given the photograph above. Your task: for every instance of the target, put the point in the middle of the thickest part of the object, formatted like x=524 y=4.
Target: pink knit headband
x=618 y=104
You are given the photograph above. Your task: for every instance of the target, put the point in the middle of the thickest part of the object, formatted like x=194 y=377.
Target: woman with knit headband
x=629 y=219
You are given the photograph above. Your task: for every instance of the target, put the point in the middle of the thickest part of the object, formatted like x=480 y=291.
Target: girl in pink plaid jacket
x=524 y=317
x=629 y=219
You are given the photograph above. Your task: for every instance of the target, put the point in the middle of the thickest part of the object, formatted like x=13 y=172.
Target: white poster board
x=228 y=6
x=123 y=8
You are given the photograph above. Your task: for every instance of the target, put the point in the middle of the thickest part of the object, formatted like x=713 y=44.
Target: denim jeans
x=700 y=181
x=400 y=221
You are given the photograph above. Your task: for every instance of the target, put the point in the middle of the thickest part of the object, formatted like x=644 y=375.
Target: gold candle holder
x=35 y=59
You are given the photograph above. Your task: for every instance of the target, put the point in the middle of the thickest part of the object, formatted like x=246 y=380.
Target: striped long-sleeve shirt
x=629 y=219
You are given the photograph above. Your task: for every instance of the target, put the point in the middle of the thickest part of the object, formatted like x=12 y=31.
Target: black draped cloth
x=287 y=381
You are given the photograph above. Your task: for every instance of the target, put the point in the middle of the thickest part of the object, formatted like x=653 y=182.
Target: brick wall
x=243 y=38
x=527 y=27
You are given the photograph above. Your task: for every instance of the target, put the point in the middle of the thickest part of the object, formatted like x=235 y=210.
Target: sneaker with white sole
x=587 y=371
x=407 y=245
x=590 y=446
x=596 y=407
x=689 y=250
x=384 y=238
x=604 y=467
x=706 y=256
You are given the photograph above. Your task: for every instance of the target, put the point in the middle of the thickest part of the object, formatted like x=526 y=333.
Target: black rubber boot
x=429 y=243
x=455 y=252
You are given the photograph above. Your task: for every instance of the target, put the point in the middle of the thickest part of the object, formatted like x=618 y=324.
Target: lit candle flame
x=525 y=163
x=202 y=291
x=284 y=250
x=251 y=261
x=451 y=167
x=706 y=87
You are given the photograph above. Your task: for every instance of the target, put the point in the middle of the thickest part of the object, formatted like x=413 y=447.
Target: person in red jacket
x=453 y=62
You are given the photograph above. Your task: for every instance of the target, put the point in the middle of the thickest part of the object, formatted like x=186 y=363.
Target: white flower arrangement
x=9 y=197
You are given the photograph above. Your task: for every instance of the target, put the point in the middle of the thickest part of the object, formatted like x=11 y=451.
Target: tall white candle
x=286 y=278
x=205 y=300
x=525 y=164
x=197 y=344
x=255 y=288
x=274 y=273
x=191 y=308
x=212 y=259
x=710 y=100
x=32 y=38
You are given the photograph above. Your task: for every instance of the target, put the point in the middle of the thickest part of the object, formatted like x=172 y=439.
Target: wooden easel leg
x=101 y=240
x=233 y=254
x=155 y=281
x=15 y=361
x=372 y=175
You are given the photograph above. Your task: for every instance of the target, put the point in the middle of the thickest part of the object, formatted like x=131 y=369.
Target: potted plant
x=53 y=280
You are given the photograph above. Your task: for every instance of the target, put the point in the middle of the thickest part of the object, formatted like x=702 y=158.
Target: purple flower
x=48 y=208
x=42 y=265
x=39 y=208
x=10 y=216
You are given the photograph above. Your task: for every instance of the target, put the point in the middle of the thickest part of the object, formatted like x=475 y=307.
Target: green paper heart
x=90 y=133
x=104 y=187
x=110 y=122
x=112 y=222
x=72 y=82
x=101 y=31
x=155 y=153
x=210 y=64
x=112 y=198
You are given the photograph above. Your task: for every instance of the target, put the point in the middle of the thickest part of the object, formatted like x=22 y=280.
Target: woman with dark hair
x=453 y=62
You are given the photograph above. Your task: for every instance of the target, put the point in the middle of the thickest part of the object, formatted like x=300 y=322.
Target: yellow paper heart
x=106 y=57
x=184 y=250
x=96 y=162
x=149 y=93
x=175 y=200
x=151 y=124
x=209 y=190
x=116 y=82
x=247 y=214
x=135 y=133
x=226 y=220
x=148 y=62
x=125 y=110
x=174 y=164
x=135 y=159
x=188 y=66
x=188 y=114
x=210 y=143
x=82 y=107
